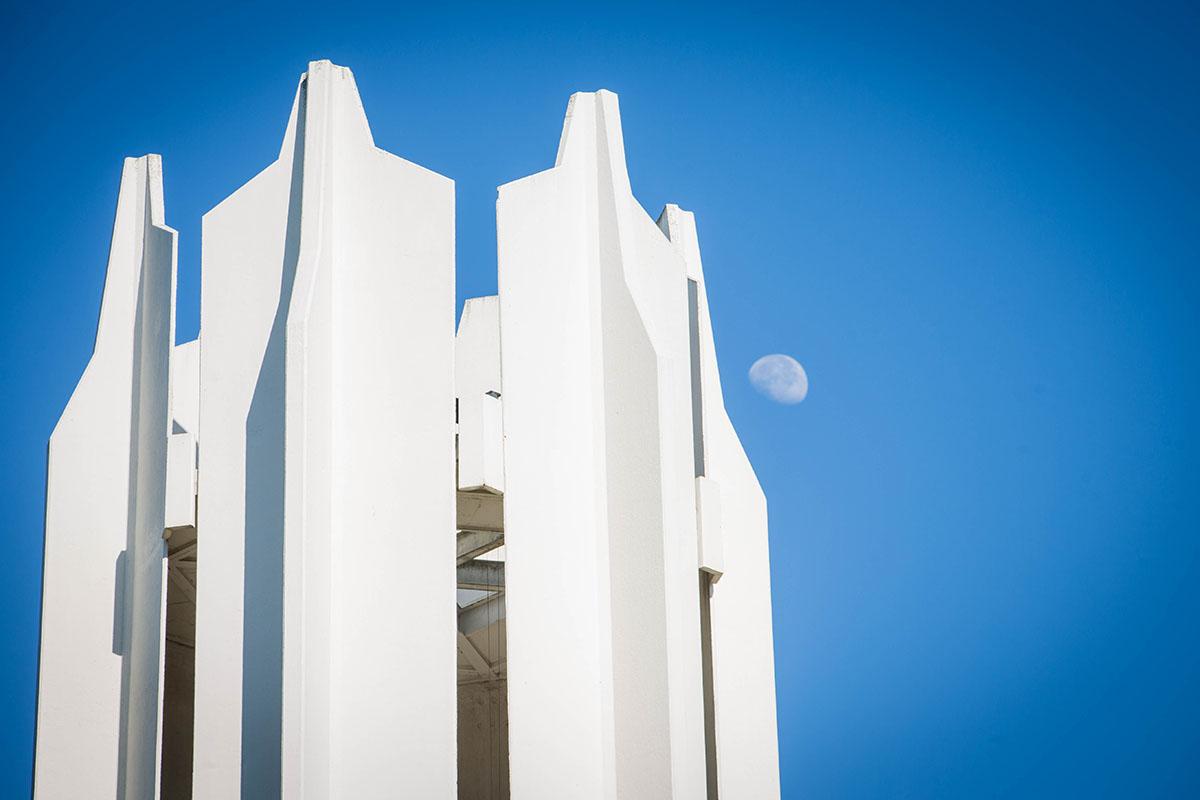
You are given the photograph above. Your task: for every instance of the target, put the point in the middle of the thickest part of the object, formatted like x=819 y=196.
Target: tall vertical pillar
x=733 y=513
x=102 y=598
x=326 y=643
x=604 y=656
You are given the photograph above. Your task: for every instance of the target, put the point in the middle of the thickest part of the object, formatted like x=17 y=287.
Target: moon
x=780 y=378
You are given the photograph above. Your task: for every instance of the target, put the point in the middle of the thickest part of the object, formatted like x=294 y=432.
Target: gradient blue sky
x=977 y=229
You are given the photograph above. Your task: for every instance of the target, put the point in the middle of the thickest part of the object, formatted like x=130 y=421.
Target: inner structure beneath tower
x=482 y=657
x=481 y=637
x=179 y=666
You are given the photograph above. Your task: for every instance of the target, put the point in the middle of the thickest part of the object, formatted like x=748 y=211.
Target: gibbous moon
x=780 y=378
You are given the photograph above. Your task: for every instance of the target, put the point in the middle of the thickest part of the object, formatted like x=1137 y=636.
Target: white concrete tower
x=336 y=548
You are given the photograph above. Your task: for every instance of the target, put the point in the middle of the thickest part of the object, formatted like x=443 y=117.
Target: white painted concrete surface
x=369 y=588
x=478 y=397
x=604 y=658
x=302 y=460
x=327 y=470
x=102 y=606
x=743 y=648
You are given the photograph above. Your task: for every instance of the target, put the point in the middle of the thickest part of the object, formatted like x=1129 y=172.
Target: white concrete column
x=248 y=257
x=326 y=618
x=369 y=584
x=605 y=696
x=102 y=601
x=742 y=642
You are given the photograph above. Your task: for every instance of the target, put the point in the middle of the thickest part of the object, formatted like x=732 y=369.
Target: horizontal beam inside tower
x=481 y=575
x=472 y=544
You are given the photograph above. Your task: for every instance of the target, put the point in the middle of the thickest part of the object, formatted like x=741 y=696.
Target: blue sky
x=977 y=229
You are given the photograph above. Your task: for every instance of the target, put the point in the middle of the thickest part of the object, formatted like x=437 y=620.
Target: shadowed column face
x=249 y=253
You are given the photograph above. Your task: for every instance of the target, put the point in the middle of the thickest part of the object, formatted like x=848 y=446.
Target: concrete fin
x=347 y=106
x=608 y=440
x=679 y=226
x=333 y=120
x=745 y=741
x=106 y=490
x=592 y=121
x=373 y=268
x=139 y=208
